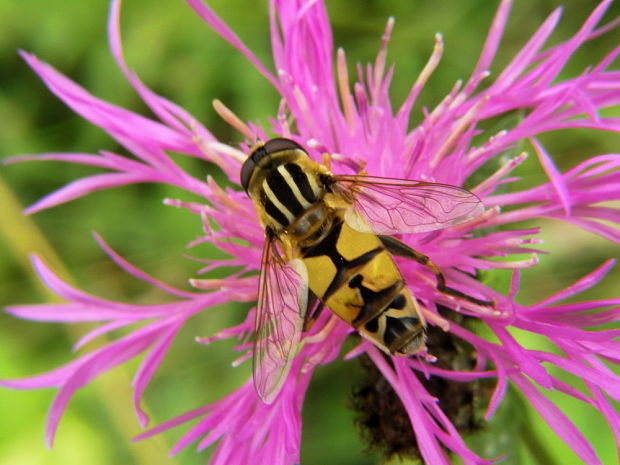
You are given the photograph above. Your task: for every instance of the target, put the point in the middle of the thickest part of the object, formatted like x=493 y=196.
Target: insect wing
x=280 y=313
x=392 y=206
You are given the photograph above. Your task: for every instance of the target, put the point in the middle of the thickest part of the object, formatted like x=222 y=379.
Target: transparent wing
x=392 y=206
x=280 y=312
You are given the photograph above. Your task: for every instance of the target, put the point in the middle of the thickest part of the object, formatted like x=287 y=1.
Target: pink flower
x=448 y=146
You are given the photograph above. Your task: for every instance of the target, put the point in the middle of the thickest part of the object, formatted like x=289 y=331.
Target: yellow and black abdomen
x=356 y=277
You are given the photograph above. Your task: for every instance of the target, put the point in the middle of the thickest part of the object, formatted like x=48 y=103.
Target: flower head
x=359 y=124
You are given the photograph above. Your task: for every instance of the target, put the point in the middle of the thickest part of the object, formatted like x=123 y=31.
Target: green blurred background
x=181 y=58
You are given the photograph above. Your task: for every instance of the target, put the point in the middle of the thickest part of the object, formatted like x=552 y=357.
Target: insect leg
x=396 y=247
x=313 y=313
x=327 y=161
x=360 y=165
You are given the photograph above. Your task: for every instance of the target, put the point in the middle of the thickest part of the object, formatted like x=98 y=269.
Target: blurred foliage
x=179 y=57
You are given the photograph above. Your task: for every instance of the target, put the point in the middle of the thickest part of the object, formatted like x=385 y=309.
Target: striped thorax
x=287 y=189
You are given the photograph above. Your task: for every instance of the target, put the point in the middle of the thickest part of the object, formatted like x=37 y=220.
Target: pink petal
x=498 y=393
x=580 y=285
x=80 y=158
x=87 y=185
x=149 y=365
x=168 y=112
x=608 y=382
x=559 y=422
x=610 y=413
x=554 y=175
x=92 y=366
x=429 y=447
x=524 y=358
x=526 y=55
x=138 y=273
x=491 y=44
x=118 y=122
x=226 y=33
x=101 y=330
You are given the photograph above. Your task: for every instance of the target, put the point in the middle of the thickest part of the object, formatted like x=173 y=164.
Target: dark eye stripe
x=284 y=193
x=301 y=181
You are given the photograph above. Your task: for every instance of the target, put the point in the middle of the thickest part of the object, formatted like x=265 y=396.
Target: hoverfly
x=328 y=243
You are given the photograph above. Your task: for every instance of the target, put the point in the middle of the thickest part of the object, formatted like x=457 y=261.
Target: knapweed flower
x=357 y=124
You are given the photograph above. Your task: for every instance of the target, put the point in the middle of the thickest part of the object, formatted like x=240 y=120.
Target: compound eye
x=280 y=145
x=246 y=172
x=261 y=152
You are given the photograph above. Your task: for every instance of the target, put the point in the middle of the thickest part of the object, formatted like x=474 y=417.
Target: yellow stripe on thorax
x=293 y=185
x=274 y=199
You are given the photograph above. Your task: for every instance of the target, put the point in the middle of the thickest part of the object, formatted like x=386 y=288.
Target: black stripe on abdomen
x=327 y=247
x=374 y=301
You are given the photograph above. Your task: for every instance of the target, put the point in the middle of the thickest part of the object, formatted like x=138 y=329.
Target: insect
x=328 y=243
